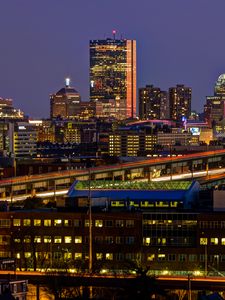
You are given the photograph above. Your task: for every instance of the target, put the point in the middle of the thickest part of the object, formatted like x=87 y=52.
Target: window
x=86 y=223
x=26 y=222
x=119 y=256
x=119 y=223
x=146 y=241
x=67 y=255
x=27 y=239
x=98 y=223
x=192 y=257
x=57 y=239
x=223 y=241
x=57 y=222
x=77 y=223
x=109 y=256
x=4 y=239
x=129 y=240
x=150 y=257
x=182 y=257
x=119 y=240
x=5 y=223
x=16 y=222
x=109 y=239
x=17 y=240
x=203 y=241
x=99 y=256
x=214 y=241
x=78 y=255
x=98 y=239
x=67 y=223
x=68 y=239
x=108 y=223
x=47 y=223
x=47 y=239
x=161 y=257
x=78 y=240
x=37 y=222
x=27 y=254
x=130 y=223
x=37 y=239
x=130 y=256
x=171 y=257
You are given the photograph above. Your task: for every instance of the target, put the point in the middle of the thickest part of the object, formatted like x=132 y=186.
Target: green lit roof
x=133 y=185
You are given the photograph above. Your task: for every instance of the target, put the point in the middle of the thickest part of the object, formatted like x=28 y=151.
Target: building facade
x=65 y=103
x=180 y=102
x=153 y=103
x=113 y=73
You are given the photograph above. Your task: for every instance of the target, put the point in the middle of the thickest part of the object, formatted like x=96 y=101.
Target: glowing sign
x=92 y=83
x=195 y=130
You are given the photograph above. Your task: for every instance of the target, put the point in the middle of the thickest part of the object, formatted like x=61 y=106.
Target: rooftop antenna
x=114 y=34
x=67 y=82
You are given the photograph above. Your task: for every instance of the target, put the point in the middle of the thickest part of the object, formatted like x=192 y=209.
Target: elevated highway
x=139 y=169
x=119 y=281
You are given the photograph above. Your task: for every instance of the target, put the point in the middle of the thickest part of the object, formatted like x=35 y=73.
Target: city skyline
x=41 y=44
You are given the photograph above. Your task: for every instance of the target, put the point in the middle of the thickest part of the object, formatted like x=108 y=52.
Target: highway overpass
x=139 y=169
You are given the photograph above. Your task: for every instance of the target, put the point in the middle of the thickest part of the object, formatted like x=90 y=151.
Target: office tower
x=153 y=103
x=219 y=89
x=214 y=109
x=113 y=73
x=65 y=103
x=180 y=102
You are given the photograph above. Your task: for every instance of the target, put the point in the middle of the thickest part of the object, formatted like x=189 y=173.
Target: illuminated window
x=78 y=240
x=98 y=223
x=37 y=222
x=18 y=255
x=47 y=223
x=99 y=256
x=57 y=239
x=16 y=222
x=203 y=241
x=68 y=239
x=161 y=257
x=68 y=255
x=27 y=239
x=86 y=223
x=214 y=241
x=27 y=254
x=223 y=241
x=17 y=240
x=67 y=223
x=57 y=222
x=47 y=239
x=146 y=241
x=78 y=255
x=109 y=256
x=37 y=239
x=26 y=222
x=150 y=257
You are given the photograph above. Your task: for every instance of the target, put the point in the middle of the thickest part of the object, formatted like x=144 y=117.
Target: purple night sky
x=42 y=42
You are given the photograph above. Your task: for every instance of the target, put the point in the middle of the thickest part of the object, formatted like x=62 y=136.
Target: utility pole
x=90 y=222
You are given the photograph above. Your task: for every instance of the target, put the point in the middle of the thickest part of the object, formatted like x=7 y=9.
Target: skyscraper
x=180 y=102
x=153 y=103
x=113 y=73
x=65 y=103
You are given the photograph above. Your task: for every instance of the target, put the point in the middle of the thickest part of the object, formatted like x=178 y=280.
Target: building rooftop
x=132 y=185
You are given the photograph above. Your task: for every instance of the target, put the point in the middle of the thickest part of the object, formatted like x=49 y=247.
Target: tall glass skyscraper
x=113 y=73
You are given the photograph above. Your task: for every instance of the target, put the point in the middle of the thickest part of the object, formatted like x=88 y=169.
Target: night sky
x=44 y=41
